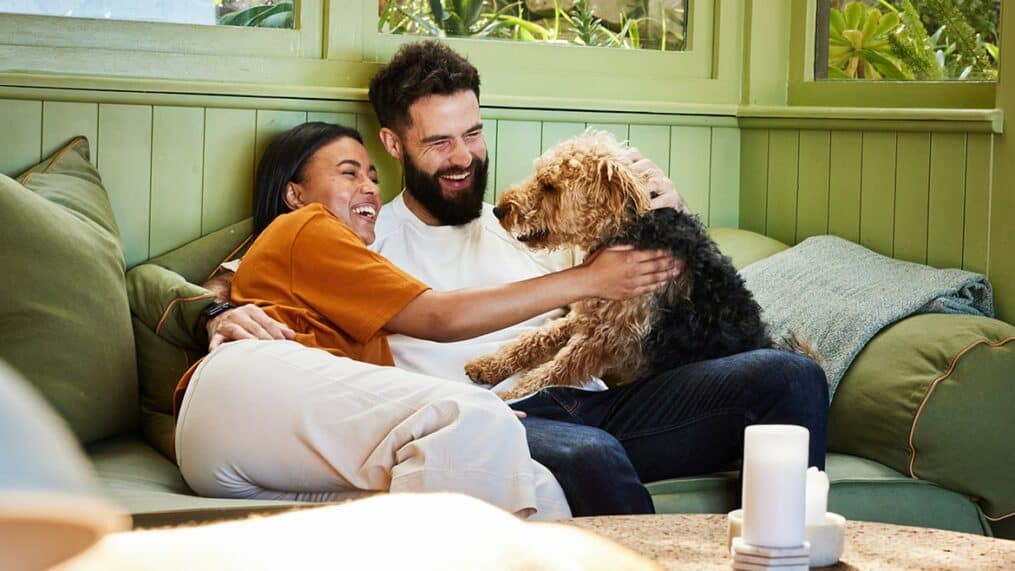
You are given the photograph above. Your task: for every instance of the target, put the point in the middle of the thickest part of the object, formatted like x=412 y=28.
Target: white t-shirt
x=477 y=254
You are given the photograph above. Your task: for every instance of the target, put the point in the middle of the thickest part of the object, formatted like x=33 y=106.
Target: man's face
x=445 y=157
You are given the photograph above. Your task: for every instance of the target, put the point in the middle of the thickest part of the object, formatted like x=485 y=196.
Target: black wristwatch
x=206 y=315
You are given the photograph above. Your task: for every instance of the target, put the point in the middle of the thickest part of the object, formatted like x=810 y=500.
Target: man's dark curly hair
x=418 y=70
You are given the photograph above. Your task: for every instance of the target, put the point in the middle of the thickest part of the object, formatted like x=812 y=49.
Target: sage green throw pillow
x=65 y=318
x=165 y=303
x=933 y=397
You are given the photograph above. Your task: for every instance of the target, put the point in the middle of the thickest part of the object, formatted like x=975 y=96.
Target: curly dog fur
x=585 y=194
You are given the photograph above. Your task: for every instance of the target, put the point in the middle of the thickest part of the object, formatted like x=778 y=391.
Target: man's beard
x=464 y=207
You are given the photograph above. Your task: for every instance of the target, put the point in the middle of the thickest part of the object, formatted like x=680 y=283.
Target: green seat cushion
x=66 y=321
x=861 y=489
x=165 y=305
x=743 y=246
x=933 y=396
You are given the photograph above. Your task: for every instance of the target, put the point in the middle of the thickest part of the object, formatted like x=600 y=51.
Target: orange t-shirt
x=311 y=272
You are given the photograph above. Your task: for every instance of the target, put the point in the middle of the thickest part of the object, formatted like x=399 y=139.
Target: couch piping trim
x=165 y=312
x=228 y=257
x=930 y=391
x=23 y=181
x=998 y=518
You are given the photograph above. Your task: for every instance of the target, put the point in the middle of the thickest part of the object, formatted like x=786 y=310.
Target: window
x=631 y=24
x=926 y=40
x=254 y=13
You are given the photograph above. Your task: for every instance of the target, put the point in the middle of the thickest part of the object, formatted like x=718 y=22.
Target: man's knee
x=593 y=451
x=789 y=375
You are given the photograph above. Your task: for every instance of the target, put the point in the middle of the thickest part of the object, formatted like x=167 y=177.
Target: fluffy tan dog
x=585 y=194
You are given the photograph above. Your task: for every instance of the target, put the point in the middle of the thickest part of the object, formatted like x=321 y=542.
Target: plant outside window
x=252 y=13
x=628 y=24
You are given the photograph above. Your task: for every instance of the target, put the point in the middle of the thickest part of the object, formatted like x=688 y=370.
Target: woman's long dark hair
x=283 y=162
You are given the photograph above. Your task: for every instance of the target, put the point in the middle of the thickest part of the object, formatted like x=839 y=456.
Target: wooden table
x=699 y=542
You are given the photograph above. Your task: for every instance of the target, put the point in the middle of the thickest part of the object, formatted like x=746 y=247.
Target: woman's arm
x=617 y=273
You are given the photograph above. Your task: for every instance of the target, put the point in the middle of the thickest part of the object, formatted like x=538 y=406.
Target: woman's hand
x=622 y=272
x=245 y=322
x=660 y=187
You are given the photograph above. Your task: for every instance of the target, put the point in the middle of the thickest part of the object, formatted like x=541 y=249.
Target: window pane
x=257 y=13
x=630 y=24
x=927 y=40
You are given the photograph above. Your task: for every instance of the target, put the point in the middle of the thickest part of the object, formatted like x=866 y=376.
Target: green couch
x=918 y=434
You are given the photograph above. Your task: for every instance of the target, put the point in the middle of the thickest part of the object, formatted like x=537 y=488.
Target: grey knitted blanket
x=839 y=295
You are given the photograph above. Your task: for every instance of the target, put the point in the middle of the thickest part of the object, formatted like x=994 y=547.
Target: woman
x=328 y=413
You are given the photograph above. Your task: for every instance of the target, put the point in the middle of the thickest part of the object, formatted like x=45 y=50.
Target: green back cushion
x=66 y=321
x=165 y=305
x=933 y=396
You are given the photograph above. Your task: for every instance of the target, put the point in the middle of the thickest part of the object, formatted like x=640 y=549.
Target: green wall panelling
x=228 y=167
x=877 y=192
x=619 y=130
x=912 y=180
x=947 y=200
x=518 y=144
x=844 y=185
x=270 y=124
x=177 y=177
x=124 y=161
x=490 y=136
x=62 y=121
x=783 y=166
x=724 y=178
x=22 y=144
x=557 y=131
x=389 y=170
x=344 y=119
x=653 y=141
x=978 y=169
x=690 y=166
x=812 y=187
x=753 y=179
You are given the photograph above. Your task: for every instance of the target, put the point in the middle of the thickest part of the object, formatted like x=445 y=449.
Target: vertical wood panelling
x=912 y=180
x=124 y=161
x=619 y=130
x=22 y=135
x=518 y=144
x=490 y=136
x=690 y=165
x=812 y=184
x=844 y=185
x=177 y=177
x=62 y=122
x=228 y=167
x=978 y=172
x=724 y=178
x=557 y=131
x=877 y=192
x=343 y=119
x=783 y=157
x=753 y=179
x=270 y=124
x=653 y=141
x=389 y=170
x=947 y=200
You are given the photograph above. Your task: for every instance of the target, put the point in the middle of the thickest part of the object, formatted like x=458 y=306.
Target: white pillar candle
x=817 y=495
x=775 y=475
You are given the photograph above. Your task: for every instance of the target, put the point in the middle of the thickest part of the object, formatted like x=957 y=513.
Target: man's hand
x=245 y=322
x=661 y=189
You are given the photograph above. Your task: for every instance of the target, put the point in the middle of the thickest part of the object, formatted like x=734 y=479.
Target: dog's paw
x=486 y=370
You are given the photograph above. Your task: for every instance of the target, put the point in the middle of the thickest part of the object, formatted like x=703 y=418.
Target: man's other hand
x=660 y=187
x=245 y=322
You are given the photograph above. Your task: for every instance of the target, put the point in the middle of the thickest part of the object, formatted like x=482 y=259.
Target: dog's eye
x=549 y=188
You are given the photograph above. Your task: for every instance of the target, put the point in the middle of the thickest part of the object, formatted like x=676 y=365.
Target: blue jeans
x=682 y=422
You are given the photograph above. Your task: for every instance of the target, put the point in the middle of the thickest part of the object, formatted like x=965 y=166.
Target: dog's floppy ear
x=623 y=189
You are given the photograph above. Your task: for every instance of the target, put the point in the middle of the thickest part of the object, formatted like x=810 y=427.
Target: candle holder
x=826 y=538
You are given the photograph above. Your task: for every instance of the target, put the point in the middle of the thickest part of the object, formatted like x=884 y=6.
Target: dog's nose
x=499 y=212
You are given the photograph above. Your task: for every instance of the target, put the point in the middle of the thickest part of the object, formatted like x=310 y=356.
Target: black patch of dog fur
x=717 y=317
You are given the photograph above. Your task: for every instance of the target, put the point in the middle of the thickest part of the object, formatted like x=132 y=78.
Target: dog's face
x=582 y=190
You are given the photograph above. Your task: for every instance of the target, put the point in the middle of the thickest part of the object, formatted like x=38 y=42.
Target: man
x=600 y=443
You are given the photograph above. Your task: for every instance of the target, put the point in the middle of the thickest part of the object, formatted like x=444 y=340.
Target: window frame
x=804 y=90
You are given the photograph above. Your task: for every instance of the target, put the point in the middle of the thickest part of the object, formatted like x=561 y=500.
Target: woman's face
x=341 y=176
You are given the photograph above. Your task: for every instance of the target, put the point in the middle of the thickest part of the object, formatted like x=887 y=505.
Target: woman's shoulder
x=312 y=220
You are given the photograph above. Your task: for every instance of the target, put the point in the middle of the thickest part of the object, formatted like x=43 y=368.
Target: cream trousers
x=277 y=420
